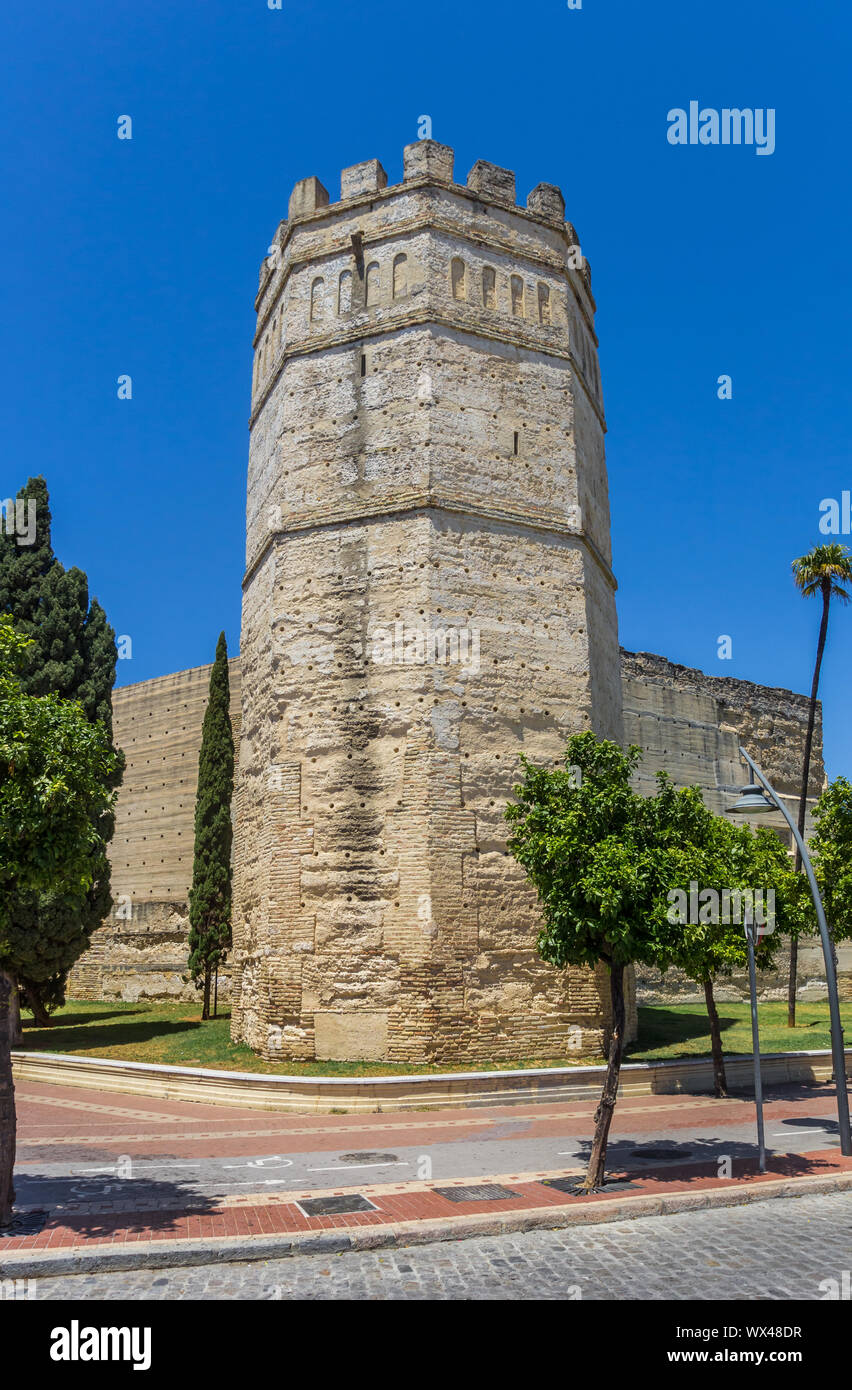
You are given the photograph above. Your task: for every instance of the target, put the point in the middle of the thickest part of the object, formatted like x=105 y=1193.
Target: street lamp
x=761 y=798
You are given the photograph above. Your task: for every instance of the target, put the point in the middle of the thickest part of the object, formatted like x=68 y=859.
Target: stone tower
x=428 y=593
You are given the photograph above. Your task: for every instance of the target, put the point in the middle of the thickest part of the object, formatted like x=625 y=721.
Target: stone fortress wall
x=687 y=723
x=141 y=952
x=691 y=725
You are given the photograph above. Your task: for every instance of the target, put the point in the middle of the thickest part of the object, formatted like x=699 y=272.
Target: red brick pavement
x=412 y=1202
x=56 y=1120
x=60 y=1118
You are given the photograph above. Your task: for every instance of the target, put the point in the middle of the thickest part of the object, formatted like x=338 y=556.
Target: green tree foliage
x=733 y=869
x=210 y=895
x=831 y=848
x=72 y=655
x=56 y=775
x=604 y=861
x=590 y=845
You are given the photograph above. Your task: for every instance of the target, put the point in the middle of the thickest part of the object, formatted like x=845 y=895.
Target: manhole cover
x=368 y=1158
x=26 y=1223
x=335 y=1206
x=661 y=1155
x=482 y=1192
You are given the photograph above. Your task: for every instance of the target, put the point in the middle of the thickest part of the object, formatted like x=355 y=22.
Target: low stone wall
x=321 y=1095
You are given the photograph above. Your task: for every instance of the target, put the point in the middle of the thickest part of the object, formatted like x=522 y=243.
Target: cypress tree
x=74 y=656
x=210 y=895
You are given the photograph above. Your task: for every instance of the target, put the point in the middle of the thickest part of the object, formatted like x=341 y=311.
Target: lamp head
x=753 y=802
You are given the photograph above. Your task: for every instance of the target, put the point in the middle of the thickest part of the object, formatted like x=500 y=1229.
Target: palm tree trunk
x=719 y=1076
x=7 y=1101
x=595 y=1177
x=803 y=800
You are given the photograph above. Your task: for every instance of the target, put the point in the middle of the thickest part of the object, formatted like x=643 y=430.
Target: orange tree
x=594 y=851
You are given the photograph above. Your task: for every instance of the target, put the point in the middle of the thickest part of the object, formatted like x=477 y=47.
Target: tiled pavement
x=281 y=1214
x=784 y=1249
x=79 y=1129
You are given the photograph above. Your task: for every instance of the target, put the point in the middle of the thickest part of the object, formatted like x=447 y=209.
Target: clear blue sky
x=142 y=257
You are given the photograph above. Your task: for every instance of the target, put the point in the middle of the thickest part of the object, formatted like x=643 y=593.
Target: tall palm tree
x=825 y=570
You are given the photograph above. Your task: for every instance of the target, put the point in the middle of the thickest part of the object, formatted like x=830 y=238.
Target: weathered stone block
x=361 y=179
x=546 y=201
x=359 y=1036
x=308 y=196
x=428 y=159
x=492 y=184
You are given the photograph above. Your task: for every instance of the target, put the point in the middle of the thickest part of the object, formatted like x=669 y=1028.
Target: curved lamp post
x=759 y=798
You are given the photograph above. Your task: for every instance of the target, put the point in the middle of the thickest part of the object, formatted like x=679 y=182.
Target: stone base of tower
x=430 y=1024
x=378 y=913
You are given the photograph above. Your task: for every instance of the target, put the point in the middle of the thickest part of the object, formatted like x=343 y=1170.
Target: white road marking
x=276 y=1161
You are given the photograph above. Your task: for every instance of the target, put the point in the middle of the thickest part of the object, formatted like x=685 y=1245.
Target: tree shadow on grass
x=667 y=1027
x=99 y=1036
x=98 y=1207
x=66 y=1020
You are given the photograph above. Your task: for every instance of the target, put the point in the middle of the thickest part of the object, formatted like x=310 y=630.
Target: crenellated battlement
x=426 y=161
x=426 y=250
x=425 y=164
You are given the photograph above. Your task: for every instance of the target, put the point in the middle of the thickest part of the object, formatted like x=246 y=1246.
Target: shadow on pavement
x=98 y=1206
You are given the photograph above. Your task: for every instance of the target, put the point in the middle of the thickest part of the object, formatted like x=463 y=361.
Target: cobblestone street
x=780 y=1249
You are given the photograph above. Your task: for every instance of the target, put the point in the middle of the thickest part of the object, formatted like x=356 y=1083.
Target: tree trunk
x=803 y=800
x=595 y=1177
x=40 y=1015
x=205 y=1007
x=16 y=1034
x=7 y=1101
x=793 y=977
x=720 y=1080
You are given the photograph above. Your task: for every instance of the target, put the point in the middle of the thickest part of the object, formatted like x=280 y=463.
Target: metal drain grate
x=335 y=1206
x=26 y=1223
x=481 y=1192
x=368 y=1158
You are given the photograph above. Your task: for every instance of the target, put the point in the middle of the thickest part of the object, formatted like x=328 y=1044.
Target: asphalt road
x=79 y=1149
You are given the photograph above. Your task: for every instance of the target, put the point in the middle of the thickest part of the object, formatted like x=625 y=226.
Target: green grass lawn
x=174 y=1034
x=680 y=1030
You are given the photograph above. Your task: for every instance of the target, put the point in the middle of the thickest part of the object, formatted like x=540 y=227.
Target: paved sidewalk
x=259 y=1226
x=107 y=1181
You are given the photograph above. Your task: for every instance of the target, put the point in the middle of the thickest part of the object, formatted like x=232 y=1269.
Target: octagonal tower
x=428 y=593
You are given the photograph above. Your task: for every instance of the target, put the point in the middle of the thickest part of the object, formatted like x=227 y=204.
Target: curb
x=167 y=1254
x=436 y=1090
